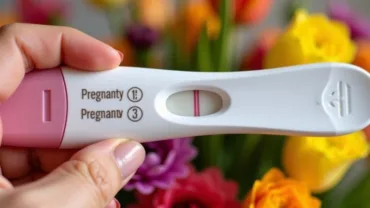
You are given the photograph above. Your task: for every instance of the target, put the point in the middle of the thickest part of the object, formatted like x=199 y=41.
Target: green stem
x=244 y=153
x=249 y=144
x=223 y=44
x=203 y=52
x=271 y=154
x=142 y=58
x=211 y=147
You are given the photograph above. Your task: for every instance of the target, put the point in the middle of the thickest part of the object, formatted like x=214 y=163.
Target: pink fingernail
x=120 y=54
x=114 y=204
x=129 y=156
x=118 y=205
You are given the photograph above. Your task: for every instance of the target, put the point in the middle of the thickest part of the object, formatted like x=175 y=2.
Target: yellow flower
x=311 y=39
x=275 y=191
x=321 y=162
x=154 y=13
x=107 y=4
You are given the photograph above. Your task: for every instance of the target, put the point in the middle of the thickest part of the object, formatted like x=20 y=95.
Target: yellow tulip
x=107 y=4
x=321 y=162
x=311 y=39
x=275 y=191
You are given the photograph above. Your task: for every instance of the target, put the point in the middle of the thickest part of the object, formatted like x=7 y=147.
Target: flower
x=142 y=36
x=311 y=39
x=42 y=11
x=367 y=132
x=359 y=24
x=154 y=13
x=108 y=4
x=165 y=162
x=275 y=190
x=253 y=60
x=321 y=162
x=362 y=58
x=247 y=11
x=195 y=15
x=207 y=189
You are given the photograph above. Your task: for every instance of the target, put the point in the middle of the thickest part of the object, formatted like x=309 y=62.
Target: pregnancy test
x=69 y=108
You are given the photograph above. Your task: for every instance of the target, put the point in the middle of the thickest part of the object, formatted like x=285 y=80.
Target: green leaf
x=176 y=57
x=204 y=59
x=292 y=7
x=348 y=189
x=359 y=197
x=271 y=154
x=143 y=57
x=223 y=42
x=243 y=149
x=211 y=152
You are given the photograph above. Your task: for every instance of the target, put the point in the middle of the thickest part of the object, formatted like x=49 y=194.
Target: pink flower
x=206 y=189
x=42 y=11
x=165 y=162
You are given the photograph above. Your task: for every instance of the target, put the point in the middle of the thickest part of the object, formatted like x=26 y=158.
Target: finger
x=28 y=179
x=113 y=204
x=50 y=159
x=5 y=184
x=14 y=162
x=91 y=178
x=26 y=46
x=17 y=163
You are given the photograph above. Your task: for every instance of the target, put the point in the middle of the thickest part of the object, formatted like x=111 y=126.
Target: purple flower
x=165 y=162
x=141 y=36
x=357 y=23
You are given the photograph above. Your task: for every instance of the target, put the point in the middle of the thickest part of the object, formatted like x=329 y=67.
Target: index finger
x=24 y=47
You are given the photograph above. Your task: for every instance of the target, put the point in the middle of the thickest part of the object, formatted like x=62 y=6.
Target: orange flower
x=275 y=190
x=248 y=11
x=362 y=58
x=367 y=133
x=124 y=47
x=253 y=60
x=154 y=13
x=7 y=18
x=196 y=14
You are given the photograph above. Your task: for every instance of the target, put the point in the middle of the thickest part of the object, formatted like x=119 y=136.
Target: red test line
x=196 y=103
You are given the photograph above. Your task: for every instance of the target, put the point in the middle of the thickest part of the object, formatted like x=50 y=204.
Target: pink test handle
x=35 y=115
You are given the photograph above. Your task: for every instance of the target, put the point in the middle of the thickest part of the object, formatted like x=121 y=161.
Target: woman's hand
x=88 y=178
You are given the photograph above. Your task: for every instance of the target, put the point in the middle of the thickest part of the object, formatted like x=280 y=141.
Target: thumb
x=91 y=178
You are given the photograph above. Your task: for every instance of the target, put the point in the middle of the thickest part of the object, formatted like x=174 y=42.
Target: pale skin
x=88 y=177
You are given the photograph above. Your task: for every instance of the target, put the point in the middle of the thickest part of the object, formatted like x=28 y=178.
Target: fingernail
x=113 y=204
x=120 y=54
x=129 y=156
x=118 y=205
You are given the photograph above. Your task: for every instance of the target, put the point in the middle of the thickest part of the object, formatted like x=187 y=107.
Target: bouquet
x=234 y=171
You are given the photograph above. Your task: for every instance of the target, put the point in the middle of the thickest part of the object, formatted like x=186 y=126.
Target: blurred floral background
x=229 y=171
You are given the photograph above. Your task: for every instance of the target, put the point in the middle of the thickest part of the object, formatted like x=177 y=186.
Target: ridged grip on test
x=35 y=115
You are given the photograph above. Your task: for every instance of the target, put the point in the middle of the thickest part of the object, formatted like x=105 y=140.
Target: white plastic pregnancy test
x=66 y=108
